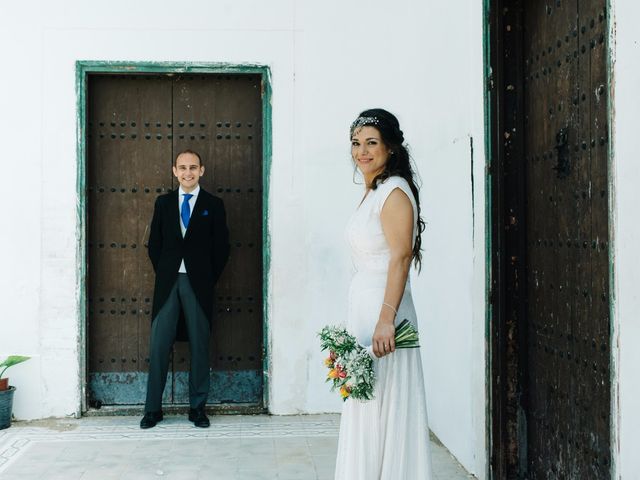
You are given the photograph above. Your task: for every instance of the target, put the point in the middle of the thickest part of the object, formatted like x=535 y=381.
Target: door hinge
x=490 y=83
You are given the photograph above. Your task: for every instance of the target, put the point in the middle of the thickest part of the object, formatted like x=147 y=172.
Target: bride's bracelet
x=391 y=307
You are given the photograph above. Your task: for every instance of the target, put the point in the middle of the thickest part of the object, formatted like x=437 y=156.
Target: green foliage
x=336 y=340
x=350 y=365
x=407 y=335
x=12 y=360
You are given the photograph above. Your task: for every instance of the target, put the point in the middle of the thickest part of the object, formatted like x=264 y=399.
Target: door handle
x=563 y=164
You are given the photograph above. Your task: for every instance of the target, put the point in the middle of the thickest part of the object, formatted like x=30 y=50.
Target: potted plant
x=6 y=391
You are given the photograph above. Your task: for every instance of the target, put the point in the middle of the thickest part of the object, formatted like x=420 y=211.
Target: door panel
x=551 y=334
x=127 y=169
x=568 y=328
x=221 y=118
x=137 y=124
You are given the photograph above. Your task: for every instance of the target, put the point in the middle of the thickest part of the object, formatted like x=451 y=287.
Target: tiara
x=362 y=121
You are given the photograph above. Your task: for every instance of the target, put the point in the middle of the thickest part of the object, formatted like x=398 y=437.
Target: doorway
x=550 y=284
x=135 y=126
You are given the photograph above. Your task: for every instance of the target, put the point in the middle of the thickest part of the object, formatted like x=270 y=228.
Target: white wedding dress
x=386 y=438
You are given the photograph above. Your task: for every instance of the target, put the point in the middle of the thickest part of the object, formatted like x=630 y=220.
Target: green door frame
x=83 y=69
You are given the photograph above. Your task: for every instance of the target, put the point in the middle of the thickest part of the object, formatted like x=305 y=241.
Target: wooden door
x=137 y=125
x=551 y=335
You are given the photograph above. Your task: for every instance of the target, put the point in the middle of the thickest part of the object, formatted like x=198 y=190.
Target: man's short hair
x=188 y=150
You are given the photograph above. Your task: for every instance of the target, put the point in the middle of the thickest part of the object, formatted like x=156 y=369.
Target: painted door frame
x=495 y=311
x=83 y=69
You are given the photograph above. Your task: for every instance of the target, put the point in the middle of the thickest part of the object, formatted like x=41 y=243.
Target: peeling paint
x=232 y=386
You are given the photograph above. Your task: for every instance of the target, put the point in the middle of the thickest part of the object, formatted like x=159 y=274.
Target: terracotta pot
x=4 y=384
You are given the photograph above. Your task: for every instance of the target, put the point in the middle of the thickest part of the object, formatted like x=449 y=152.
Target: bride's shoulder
x=389 y=185
x=393 y=182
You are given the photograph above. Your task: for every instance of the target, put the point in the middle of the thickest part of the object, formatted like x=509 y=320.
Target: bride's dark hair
x=398 y=163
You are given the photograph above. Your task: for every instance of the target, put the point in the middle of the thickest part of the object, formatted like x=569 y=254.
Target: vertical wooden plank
x=129 y=152
x=509 y=259
x=580 y=232
x=570 y=236
x=221 y=117
x=539 y=189
x=594 y=40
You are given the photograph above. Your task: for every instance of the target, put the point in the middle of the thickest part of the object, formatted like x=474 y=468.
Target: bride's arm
x=397 y=224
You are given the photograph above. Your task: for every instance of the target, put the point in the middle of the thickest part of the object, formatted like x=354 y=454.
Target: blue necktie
x=185 y=212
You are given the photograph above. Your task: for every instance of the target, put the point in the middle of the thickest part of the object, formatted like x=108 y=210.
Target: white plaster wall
x=421 y=60
x=453 y=279
x=437 y=94
x=40 y=296
x=626 y=235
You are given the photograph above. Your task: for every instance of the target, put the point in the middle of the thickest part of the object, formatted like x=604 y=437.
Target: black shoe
x=198 y=417
x=150 y=419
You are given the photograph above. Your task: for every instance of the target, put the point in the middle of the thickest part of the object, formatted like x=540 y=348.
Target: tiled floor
x=234 y=448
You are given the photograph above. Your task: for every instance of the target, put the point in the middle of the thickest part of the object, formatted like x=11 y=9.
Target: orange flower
x=345 y=391
x=337 y=372
x=328 y=362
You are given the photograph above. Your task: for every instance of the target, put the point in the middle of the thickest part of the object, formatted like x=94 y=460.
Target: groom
x=188 y=247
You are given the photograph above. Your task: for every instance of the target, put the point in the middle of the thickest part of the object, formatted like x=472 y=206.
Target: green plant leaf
x=12 y=360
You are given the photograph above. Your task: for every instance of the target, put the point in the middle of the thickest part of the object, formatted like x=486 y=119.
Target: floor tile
x=233 y=448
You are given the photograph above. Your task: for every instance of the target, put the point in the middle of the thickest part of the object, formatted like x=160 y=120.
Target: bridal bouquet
x=351 y=365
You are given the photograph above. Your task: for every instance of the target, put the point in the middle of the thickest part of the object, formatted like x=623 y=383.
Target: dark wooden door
x=137 y=125
x=551 y=335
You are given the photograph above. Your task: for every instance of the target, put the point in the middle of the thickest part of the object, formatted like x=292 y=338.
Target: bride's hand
x=383 y=341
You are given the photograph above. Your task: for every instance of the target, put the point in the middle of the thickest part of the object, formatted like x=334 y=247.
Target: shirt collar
x=194 y=192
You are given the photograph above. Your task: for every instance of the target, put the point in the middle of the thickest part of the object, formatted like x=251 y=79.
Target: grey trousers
x=163 y=334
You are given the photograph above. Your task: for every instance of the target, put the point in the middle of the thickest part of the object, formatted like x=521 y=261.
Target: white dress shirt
x=192 y=203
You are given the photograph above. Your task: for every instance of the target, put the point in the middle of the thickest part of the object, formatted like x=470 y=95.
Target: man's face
x=188 y=171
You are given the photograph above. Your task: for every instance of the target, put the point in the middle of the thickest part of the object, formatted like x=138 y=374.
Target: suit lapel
x=174 y=213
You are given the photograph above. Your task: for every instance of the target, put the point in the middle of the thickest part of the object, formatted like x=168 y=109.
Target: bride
x=386 y=438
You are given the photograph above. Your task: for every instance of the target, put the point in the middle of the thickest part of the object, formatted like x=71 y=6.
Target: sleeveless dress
x=386 y=438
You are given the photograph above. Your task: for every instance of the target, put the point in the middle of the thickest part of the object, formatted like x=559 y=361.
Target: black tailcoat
x=204 y=248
